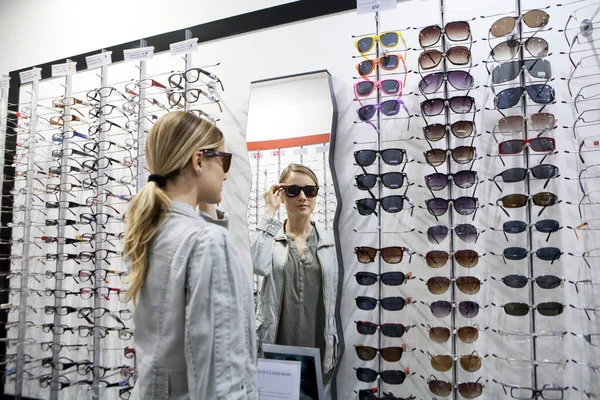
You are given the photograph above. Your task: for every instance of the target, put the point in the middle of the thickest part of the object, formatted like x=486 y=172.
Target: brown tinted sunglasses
x=390 y=354
x=466 y=284
x=439 y=258
x=440 y=334
x=391 y=255
x=468 y=362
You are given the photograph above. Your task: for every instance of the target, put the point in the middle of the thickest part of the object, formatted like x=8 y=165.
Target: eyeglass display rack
x=27 y=117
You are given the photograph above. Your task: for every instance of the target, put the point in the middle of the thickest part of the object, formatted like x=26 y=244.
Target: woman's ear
x=197 y=162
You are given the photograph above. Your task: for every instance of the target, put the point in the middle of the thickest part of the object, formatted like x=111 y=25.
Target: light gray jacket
x=269 y=256
x=194 y=322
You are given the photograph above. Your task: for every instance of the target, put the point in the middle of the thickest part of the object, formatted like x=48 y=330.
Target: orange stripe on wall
x=291 y=142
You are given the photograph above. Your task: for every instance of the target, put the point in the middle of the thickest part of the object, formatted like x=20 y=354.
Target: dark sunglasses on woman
x=294 y=190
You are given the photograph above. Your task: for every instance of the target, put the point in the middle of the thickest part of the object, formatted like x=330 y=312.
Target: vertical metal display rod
x=451 y=211
x=380 y=195
x=26 y=241
x=99 y=244
x=141 y=132
x=522 y=79
x=188 y=66
x=61 y=230
x=3 y=124
x=325 y=188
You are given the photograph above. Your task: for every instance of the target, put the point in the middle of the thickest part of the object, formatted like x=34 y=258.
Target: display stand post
x=33 y=118
x=141 y=131
x=188 y=66
x=61 y=231
x=522 y=79
x=3 y=122
x=449 y=192
x=99 y=243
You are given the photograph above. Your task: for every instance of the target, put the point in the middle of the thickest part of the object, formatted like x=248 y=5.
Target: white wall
x=46 y=30
x=327 y=43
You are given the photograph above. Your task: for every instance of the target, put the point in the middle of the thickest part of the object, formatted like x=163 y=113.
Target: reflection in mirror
x=291 y=214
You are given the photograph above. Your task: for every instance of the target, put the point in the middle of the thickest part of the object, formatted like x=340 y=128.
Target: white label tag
x=98 y=60
x=64 y=69
x=187 y=46
x=31 y=75
x=143 y=53
x=4 y=82
x=322 y=149
x=257 y=154
x=367 y=6
x=302 y=150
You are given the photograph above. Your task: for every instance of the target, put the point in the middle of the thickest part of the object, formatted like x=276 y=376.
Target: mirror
x=295 y=253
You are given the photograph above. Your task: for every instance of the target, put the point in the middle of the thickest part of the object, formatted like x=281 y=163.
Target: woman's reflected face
x=301 y=204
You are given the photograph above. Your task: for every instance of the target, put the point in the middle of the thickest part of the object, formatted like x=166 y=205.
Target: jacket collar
x=177 y=207
x=325 y=237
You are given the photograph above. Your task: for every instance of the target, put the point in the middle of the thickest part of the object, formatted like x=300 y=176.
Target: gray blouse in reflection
x=302 y=320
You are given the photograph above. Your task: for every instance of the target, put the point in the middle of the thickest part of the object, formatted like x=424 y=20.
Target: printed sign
x=99 y=60
x=31 y=75
x=143 y=53
x=368 y=6
x=185 y=47
x=68 y=68
x=278 y=379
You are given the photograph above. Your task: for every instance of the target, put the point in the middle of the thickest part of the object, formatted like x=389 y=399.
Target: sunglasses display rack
x=74 y=151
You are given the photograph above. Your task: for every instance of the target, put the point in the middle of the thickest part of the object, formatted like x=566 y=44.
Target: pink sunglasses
x=390 y=87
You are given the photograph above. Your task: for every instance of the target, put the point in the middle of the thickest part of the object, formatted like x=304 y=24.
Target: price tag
x=302 y=150
x=64 y=69
x=322 y=149
x=31 y=75
x=98 y=60
x=4 y=82
x=257 y=154
x=185 y=47
x=368 y=6
x=143 y=53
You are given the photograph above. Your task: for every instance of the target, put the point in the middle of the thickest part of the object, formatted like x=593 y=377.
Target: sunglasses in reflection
x=468 y=390
x=548 y=391
x=386 y=40
x=542 y=199
x=457 y=55
x=370 y=394
x=191 y=96
x=364 y=158
x=466 y=284
x=459 y=80
x=536 y=47
x=387 y=62
x=464 y=205
x=460 y=129
x=519 y=253
x=463 y=179
x=541 y=171
x=389 y=303
x=547 y=309
x=391 y=377
x=387 y=329
x=517 y=281
x=466 y=232
x=538 y=93
x=460 y=155
x=443 y=308
x=389 y=354
x=390 y=204
x=465 y=258
x=444 y=362
x=455 y=31
x=458 y=104
x=506 y=72
x=391 y=255
x=191 y=76
x=393 y=278
x=294 y=190
x=104 y=92
x=389 y=108
x=391 y=180
x=390 y=87
x=513 y=124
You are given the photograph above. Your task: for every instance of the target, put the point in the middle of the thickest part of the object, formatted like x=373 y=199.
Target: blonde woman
x=298 y=261
x=194 y=323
